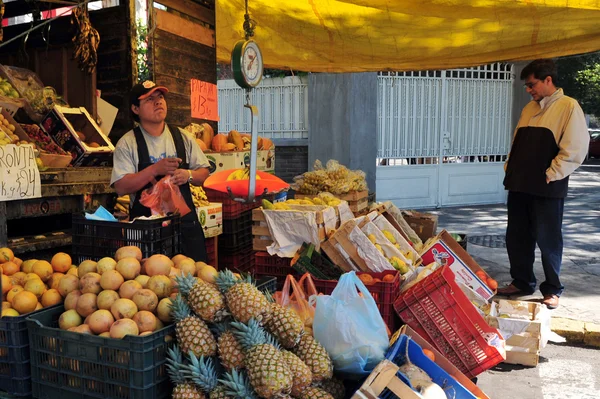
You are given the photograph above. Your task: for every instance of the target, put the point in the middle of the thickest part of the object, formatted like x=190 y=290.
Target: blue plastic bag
x=350 y=328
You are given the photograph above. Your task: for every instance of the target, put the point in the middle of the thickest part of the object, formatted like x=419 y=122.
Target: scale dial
x=247 y=64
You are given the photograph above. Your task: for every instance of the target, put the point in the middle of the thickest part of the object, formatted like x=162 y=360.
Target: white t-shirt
x=125 y=157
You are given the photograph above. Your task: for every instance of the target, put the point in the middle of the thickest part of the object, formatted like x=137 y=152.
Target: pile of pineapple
x=396 y=262
x=261 y=345
x=333 y=178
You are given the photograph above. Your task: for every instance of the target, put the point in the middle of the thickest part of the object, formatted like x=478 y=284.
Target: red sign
x=204 y=100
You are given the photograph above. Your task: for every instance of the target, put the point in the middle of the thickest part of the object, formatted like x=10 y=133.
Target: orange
x=43 y=269
x=51 y=297
x=481 y=274
x=429 y=354
x=18 y=278
x=54 y=280
x=6 y=255
x=35 y=286
x=24 y=302
x=6 y=284
x=6 y=305
x=367 y=279
x=27 y=266
x=39 y=306
x=388 y=278
x=10 y=268
x=492 y=284
x=18 y=261
x=9 y=313
x=61 y=262
x=14 y=291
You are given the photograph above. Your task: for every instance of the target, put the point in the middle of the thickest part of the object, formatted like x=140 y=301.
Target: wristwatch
x=191 y=176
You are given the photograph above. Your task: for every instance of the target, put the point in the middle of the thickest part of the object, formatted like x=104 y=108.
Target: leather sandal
x=511 y=290
x=551 y=301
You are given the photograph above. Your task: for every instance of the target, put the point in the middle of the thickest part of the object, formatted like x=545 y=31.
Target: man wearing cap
x=153 y=150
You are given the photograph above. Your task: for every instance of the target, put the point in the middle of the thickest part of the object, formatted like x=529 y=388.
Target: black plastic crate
x=239 y=224
x=70 y=365
x=267 y=284
x=241 y=261
x=15 y=370
x=231 y=242
x=98 y=239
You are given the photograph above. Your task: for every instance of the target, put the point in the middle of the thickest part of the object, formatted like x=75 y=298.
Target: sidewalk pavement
x=578 y=316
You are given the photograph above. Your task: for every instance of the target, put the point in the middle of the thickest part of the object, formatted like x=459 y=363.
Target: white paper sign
x=19 y=174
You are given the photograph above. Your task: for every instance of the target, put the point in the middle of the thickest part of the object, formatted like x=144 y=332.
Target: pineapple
x=231 y=353
x=244 y=300
x=315 y=357
x=285 y=325
x=313 y=393
x=202 y=372
x=268 y=372
x=334 y=386
x=175 y=368
x=192 y=333
x=204 y=298
x=301 y=374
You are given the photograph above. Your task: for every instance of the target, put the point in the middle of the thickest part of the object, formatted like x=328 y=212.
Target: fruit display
x=263 y=347
x=32 y=284
x=125 y=295
x=232 y=141
x=241 y=174
x=122 y=204
x=333 y=178
x=7 y=90
x=42 y=140
x=199 y=196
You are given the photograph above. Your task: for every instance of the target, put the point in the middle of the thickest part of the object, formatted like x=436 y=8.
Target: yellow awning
x=378 y=35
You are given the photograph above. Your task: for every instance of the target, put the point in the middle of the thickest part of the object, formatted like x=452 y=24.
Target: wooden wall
x=183 y=48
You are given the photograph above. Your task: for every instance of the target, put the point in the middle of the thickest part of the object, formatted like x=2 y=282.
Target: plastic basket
x=384 y=293
x=94 y=239
x=309 y=260
x=242 y=261
x=239 y=224
x=273 y=265
x=236 y=232
x=231 y=209
x=267 y=284
x=67 y=364
x=438 y=310
x=211 y=250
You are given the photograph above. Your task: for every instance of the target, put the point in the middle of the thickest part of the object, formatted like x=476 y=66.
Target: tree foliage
x=580 y=78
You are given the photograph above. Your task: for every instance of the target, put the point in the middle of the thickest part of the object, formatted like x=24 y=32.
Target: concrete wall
x=342 y=120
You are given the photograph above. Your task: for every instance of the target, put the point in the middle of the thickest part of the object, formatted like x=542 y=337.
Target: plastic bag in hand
x=350 y=328
x=164 y=198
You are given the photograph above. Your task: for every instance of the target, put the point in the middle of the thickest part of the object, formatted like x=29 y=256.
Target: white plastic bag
x=350 y=328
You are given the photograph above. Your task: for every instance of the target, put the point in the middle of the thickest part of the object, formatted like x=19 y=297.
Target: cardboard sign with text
x=446 y=251
x=19 y=174
x=211 y=219
x=204 y=100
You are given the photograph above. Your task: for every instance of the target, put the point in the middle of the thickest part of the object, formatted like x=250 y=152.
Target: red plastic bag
x=164 y=198
x=294 y=296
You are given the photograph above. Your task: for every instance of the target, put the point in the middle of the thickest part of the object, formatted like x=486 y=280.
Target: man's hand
x=166 y=166
x=180 y=176
x=547 y=180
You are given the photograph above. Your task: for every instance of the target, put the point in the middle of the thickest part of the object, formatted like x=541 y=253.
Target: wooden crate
x=381 y=378
x=262 y=236
x=524 y=347
x=358 y=201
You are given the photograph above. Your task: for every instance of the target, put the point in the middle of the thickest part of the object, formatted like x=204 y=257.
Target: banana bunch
x=278 y=206
x=396 y=262
x=246 y=140
x=408 y=254
x=322 y=199
x=199 y=196
x=241 y=174
x=300 y=202
x=86 y=40
x=123 y=204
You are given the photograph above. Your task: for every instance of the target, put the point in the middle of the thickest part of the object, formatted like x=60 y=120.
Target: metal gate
x=443 y=136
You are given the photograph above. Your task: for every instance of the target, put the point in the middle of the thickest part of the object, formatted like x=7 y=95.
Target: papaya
x=234 y=137
x=207 y=134
x=202 y=145
x=267 y=144
x=228 y=147
x=218 y=142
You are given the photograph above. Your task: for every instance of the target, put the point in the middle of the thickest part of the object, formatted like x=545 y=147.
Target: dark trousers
x=192 y=238
x=535 y=220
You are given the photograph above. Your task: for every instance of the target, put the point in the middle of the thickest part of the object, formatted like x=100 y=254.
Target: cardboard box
x=444 y=250
x=265 y=161
x=524 y=326
x=227 y=160
x=62 y=124
x=424 y=224
x=211 y=219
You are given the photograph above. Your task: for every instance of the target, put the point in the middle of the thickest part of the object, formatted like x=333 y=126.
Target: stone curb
x=577 y=331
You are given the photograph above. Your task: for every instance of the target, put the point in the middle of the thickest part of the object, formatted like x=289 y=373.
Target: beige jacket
x=564 y=117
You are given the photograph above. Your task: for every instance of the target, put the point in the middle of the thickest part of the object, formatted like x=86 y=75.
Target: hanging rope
x=249 y=24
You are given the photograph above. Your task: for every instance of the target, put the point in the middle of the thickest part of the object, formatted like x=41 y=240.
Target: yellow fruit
x=35 y=286
x=73 y=271
x=13 y=291
x=6 y=255
x=43 y=269
x=10 y=313
x=9 y=268
x=372 y=238
x=389 y=236
x=18 y=278
x=6 y=284
x=27 y=266
x=55 y=280
x=208 y=274
x=25 y=302
x=6 y=305
x=61 y=262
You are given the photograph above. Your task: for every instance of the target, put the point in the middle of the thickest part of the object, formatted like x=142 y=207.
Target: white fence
x=282 y=103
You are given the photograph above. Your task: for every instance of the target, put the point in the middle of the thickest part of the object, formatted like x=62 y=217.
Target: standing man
x=153 y=150
x=550 y=142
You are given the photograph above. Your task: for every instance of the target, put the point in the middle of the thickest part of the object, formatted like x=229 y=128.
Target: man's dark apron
x=192 y=236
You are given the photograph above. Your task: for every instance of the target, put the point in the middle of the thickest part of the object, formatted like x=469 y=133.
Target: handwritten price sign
x=204 y=100
x=19 y=174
